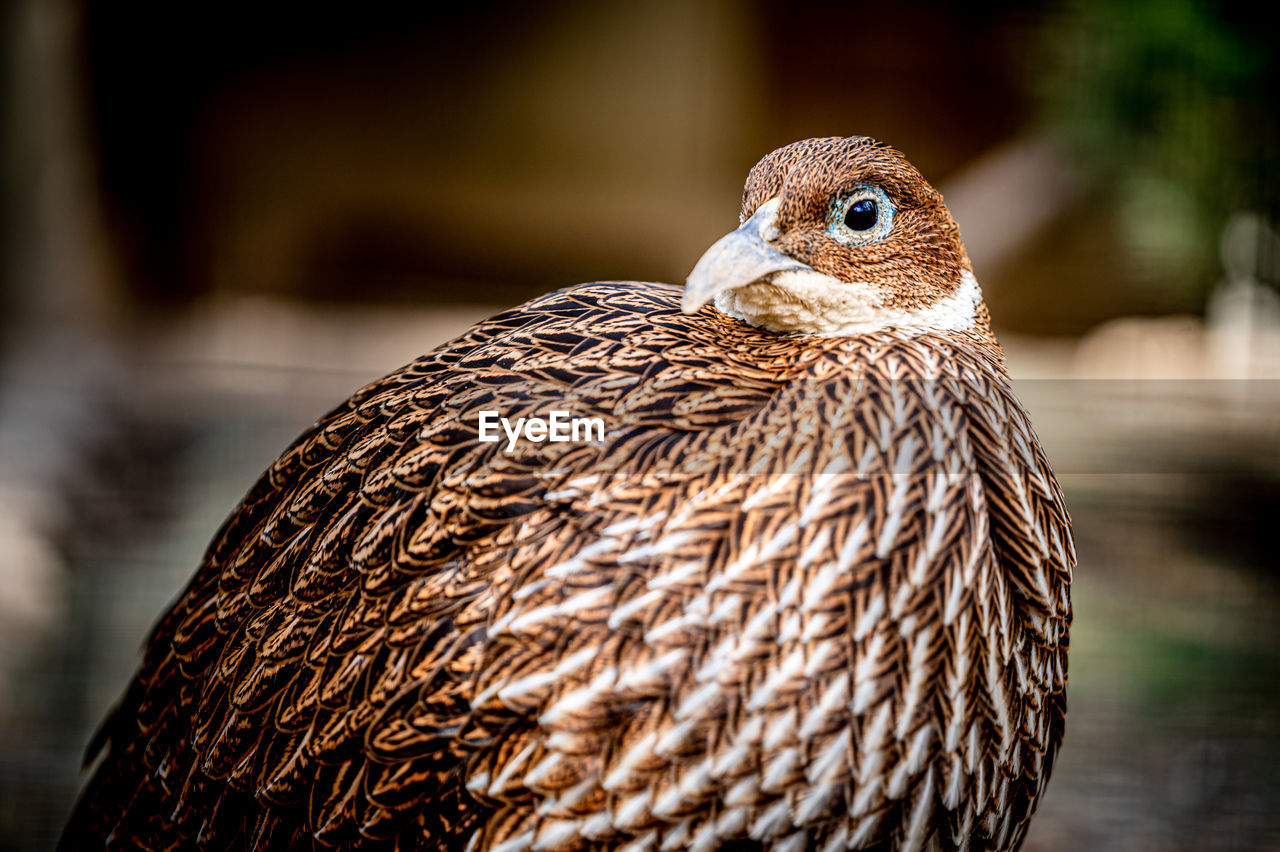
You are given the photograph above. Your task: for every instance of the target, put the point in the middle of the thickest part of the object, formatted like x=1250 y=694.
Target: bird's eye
x=862 y=215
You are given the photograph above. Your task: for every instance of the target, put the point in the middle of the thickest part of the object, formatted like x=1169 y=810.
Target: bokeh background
x=220 y=219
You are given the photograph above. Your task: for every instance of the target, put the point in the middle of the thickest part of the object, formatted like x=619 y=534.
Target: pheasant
x=806 y=588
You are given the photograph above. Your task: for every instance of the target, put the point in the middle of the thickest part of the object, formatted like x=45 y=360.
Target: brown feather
x=809 y=593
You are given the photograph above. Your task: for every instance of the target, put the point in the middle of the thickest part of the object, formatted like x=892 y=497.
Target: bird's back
x=807 y=593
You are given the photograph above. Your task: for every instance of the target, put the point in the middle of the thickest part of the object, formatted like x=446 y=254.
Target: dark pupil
x=861 y=215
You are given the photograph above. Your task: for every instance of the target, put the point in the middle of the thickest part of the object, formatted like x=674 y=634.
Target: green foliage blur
x=1167 y=106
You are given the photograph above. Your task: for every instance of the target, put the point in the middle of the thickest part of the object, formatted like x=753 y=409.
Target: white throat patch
x=808 y=302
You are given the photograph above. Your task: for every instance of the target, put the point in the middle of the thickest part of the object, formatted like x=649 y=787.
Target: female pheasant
x=809 y=592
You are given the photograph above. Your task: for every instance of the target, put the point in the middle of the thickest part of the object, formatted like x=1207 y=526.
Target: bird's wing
x=1030 y=532
x=359 y=575
x=778 y=601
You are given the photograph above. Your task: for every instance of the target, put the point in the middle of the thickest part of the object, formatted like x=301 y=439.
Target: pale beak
x=738 y=259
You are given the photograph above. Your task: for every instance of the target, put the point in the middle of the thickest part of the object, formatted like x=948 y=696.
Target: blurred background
x=220 y=219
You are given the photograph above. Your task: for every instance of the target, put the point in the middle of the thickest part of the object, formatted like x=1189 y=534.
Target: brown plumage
x=810 y=591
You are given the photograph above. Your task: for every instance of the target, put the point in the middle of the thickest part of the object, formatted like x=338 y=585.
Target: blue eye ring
x=864 y=215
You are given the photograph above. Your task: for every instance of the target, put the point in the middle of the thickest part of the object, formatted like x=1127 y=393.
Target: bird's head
x=840 y=236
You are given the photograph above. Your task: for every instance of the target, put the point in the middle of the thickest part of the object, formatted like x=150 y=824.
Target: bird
x=806 y=588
